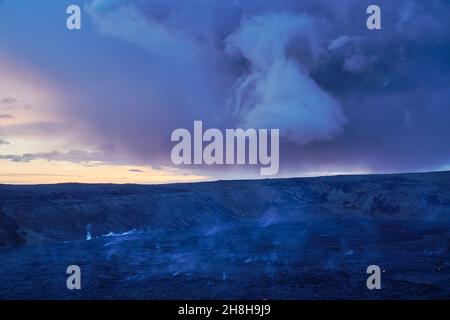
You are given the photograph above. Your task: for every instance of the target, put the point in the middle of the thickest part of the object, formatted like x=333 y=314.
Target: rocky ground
x=280 y=239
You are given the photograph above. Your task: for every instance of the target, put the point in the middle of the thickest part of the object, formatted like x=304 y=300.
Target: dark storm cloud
x=342 y=95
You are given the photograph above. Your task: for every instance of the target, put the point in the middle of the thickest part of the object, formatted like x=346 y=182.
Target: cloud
x=277 y=92
x=348 y=49
x=8 y=100
x=184 y=41
x=3 y=142
x=135 y=170
x=343 y=96
x=310 y=68
x=75 y=156
x=6 y=116
x=34 y=129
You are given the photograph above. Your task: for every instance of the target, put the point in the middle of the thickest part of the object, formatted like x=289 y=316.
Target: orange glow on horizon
x=49 y=172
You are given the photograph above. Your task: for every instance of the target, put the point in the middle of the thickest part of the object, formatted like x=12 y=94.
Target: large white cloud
x=277 y=92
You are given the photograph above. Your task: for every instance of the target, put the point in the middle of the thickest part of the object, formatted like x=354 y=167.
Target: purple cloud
x=344 y=97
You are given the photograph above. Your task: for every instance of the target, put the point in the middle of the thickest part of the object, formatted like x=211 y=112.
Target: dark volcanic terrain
x=283 y=238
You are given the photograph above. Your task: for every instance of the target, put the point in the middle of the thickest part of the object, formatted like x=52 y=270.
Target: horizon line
x=227 y=180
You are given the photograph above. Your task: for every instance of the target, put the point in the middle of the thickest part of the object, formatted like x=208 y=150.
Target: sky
x=99 y=104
